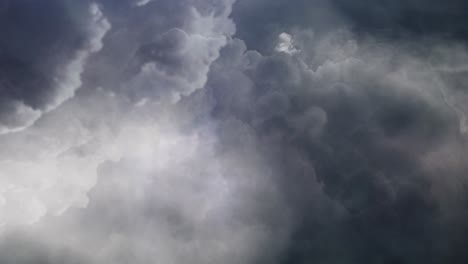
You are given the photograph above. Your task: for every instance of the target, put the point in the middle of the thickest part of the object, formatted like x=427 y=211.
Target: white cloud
x=142 y=2
x=286 y=44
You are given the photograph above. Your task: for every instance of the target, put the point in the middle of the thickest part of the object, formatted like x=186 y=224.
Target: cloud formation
x=230 y=132
x=41 y=67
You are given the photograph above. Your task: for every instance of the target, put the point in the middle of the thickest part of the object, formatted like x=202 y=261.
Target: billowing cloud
x=135 y=147
x=46 y=175
x=359 y=133
x=41 y=67
x=233 y=132
x=354 y=129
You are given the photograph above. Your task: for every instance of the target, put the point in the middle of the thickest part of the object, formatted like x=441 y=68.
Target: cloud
x=260 y=21
x=302 y=138
x=172 y=64
x=163 y=194
x=403 y=18
x=176 y=196
x=35 y=83
x=348 y=124
x=142 y=2
x=285 y=44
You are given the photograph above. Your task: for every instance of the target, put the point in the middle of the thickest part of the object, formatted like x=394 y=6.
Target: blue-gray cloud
x=198 y=131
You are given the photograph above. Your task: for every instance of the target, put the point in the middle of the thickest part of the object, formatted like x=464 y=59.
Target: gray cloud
x=260 y=21
x=186 y=49
x=42 y=52
x=349 y=125
x=127 y=172
x=309 y=137
x=403 y=18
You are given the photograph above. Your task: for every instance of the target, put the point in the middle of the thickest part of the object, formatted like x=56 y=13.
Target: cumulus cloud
x=34 y=83
x=179 y=196
x=175 y=63
x=349 y=124
x=313 y=140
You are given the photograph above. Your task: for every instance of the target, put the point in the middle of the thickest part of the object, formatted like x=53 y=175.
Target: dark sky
x=248 y=131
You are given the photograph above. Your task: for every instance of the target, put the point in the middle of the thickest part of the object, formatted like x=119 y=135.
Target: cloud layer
x=198 y=131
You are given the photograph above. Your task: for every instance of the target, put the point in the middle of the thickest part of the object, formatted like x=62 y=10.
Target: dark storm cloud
x=258 y=21
x=348 y=135
x=342 y=139
x=40 y=42
x=375 y=151
x=400 y=18
x=144 y=169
